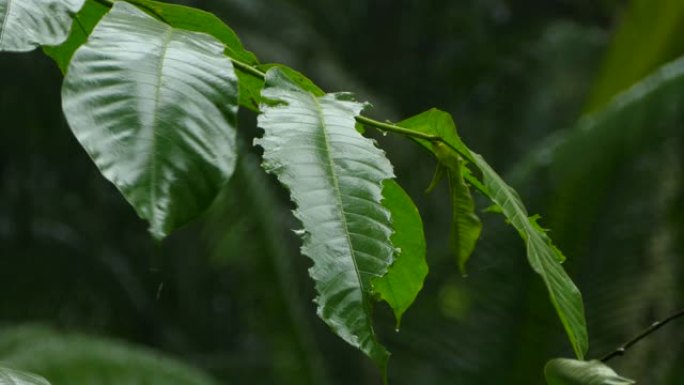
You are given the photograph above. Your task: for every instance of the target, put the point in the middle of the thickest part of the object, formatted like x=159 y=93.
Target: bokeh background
x=568 y=99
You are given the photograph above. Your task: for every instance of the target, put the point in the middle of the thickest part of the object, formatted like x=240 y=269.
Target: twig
x=655 y=326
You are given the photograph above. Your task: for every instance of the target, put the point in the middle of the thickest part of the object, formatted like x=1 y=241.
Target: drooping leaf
x=155 y=108
x=404 y=279
x=543 y=256
x=84 y=23
x=27 y=24
x=76 y=359
x=466 y=226
x=335 y=177
x=15 y=377
x=564 y=371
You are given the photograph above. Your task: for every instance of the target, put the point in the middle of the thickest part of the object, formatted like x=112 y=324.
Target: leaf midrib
x=338 y=192
x=155 y=118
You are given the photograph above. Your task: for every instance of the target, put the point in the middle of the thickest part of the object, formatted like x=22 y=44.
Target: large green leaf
x=155 y=108
x=26 y=24
x=76 y=359
x=193 y=19
x=335 y=177
x=543 y=256
x=177 y=16
x=564 y=371
x=404 y=279
x=15 y=377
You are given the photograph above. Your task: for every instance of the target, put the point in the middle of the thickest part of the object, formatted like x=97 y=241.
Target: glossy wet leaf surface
x=335 y=177
x=155 y=108
x=564 y=371
x=27 y=24
x=466 y=226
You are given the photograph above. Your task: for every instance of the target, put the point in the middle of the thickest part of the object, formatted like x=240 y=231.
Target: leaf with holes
x=155 y=108
x=27 y=24
x=335 y=177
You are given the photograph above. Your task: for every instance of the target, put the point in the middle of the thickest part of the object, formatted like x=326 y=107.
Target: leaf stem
x=654 y=326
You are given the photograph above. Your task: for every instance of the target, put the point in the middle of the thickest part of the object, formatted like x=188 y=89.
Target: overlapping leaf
x=155 y=108
x=15 y=377
x=465 y=224
x=335 y=177
x=84 y=23
x=404 y=279
x=543 y=256
x=563 y=371
x=27 y=24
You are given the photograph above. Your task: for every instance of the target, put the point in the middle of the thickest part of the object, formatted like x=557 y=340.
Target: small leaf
x=335 y=177
x=437 y=177
x=466 y=226
x=27 y=24
x=155 y=108
x=404 y=279
x=15 y=377
x=564 y=371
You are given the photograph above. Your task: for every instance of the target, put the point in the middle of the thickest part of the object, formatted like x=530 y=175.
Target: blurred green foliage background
x=532 y=85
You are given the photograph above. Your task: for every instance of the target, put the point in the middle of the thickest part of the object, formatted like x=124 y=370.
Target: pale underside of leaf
x=15 y=377
x=27 y=24
x=564 y=371
x=335 y=177
x=155 y=108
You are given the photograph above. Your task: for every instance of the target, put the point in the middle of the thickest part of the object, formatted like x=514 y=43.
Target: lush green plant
x=152 y=90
